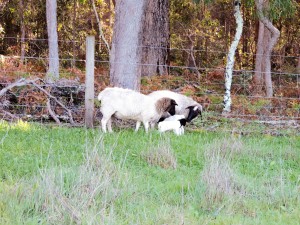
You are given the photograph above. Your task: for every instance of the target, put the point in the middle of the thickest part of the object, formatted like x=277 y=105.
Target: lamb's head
x=194 y=111
x=166 y=105
x=182 y=122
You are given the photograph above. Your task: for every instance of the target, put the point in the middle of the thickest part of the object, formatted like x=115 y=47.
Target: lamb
x=129 y=104
x=186 y=105
x=172 y=123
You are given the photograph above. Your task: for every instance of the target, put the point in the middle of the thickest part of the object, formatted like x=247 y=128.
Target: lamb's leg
x=152 y=125
x=137 y=126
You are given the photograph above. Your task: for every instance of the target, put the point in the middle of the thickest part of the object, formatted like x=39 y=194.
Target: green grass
x=59 y=175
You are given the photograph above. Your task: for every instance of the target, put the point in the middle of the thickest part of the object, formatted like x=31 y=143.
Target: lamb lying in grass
x=129 y=104
x=175 y=123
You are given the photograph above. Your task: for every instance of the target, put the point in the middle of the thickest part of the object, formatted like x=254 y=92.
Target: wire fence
x=251 y=112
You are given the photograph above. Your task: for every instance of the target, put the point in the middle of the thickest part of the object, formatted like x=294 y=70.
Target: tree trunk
x=155 y=38
x=125 y=55
x=297 y=51
x=258 y=75
x=21 y=4
x=266 y=65
x=53 y=70
x=101 y=34
x=230 y=57
x=298 y=66
x=270 y=43
x=73 y=62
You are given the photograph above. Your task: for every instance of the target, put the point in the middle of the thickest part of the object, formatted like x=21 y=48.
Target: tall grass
x=160 y=155
x=56 y=175
x=83 y=194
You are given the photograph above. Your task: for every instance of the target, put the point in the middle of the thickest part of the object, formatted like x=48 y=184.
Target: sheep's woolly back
x=182 y=100
x=164 y=105
x=129 y=104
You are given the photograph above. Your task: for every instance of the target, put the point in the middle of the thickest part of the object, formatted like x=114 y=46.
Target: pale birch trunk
x=269 y=45
x=230 y=57
x=53 y=70
x=125 y=54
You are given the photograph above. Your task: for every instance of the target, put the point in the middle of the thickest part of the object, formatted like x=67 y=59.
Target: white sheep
x=129 y=104
x=172 y=123
x=186 y=105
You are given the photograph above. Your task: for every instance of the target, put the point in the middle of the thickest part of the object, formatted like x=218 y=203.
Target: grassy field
x=56 y=175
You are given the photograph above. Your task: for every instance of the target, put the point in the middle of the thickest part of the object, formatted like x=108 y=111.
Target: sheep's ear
x=192 y=107
x=189 y=107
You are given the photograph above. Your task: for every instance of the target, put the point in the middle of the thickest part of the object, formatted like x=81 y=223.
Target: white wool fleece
x=127 y=104
x=182 y=101
x=171 y=125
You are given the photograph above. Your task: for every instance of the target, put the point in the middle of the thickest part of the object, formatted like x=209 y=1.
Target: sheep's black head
x=182 y=122
x=166 y=105
x=171 y=109
x=194 y=111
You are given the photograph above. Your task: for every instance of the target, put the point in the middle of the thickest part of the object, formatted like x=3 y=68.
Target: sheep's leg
x=137 y=126
x=103 y=123
x=152 y=125
x=146 y=125
x=109 y=126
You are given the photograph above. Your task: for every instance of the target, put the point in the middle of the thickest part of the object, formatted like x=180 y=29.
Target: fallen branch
x=23 y=82
x=5 y=113
x=52 y=113
x=18 y=83
x=56 y=100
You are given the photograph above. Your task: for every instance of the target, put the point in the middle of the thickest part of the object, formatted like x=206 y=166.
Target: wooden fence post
x=89 y=81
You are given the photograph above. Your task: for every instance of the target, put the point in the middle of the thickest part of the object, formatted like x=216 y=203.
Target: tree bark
x=21 y=4
x=230 y=57
x=155 y=36
x=125 y=55
x=298 y=66
x=73 y=62
x=101 y=34
x=258 y=75
x=53 y=70
x=270 y=43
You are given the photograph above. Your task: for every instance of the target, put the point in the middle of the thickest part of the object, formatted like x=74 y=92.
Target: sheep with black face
x=129 y=104
x=186 y=105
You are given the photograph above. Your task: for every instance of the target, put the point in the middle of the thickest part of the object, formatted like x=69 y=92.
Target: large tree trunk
x=53 y=70
x=125 y=55
x=270 y=41
x=155 y=36
x=230 y=57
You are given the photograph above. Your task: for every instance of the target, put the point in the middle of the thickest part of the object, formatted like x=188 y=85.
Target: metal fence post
x=89 y=81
